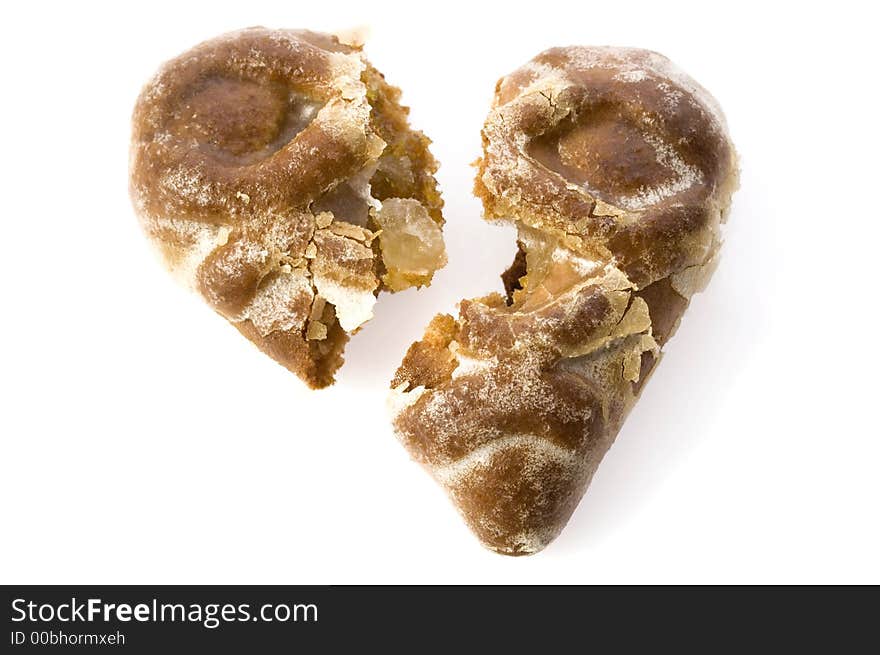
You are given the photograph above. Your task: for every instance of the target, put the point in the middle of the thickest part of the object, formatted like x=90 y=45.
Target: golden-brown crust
x=260 y=161
x=615 y=168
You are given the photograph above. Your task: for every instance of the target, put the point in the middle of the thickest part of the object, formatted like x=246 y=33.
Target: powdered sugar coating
x=616 y=168
x=611 y=145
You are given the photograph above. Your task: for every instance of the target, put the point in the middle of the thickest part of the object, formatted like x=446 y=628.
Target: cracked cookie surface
x=616 y=169
x=264 y=165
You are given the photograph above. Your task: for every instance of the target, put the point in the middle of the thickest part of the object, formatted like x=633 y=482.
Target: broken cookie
x=617 y=170
x=277 y=174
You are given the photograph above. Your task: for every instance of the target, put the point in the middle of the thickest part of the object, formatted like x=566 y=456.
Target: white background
x=145 y=441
